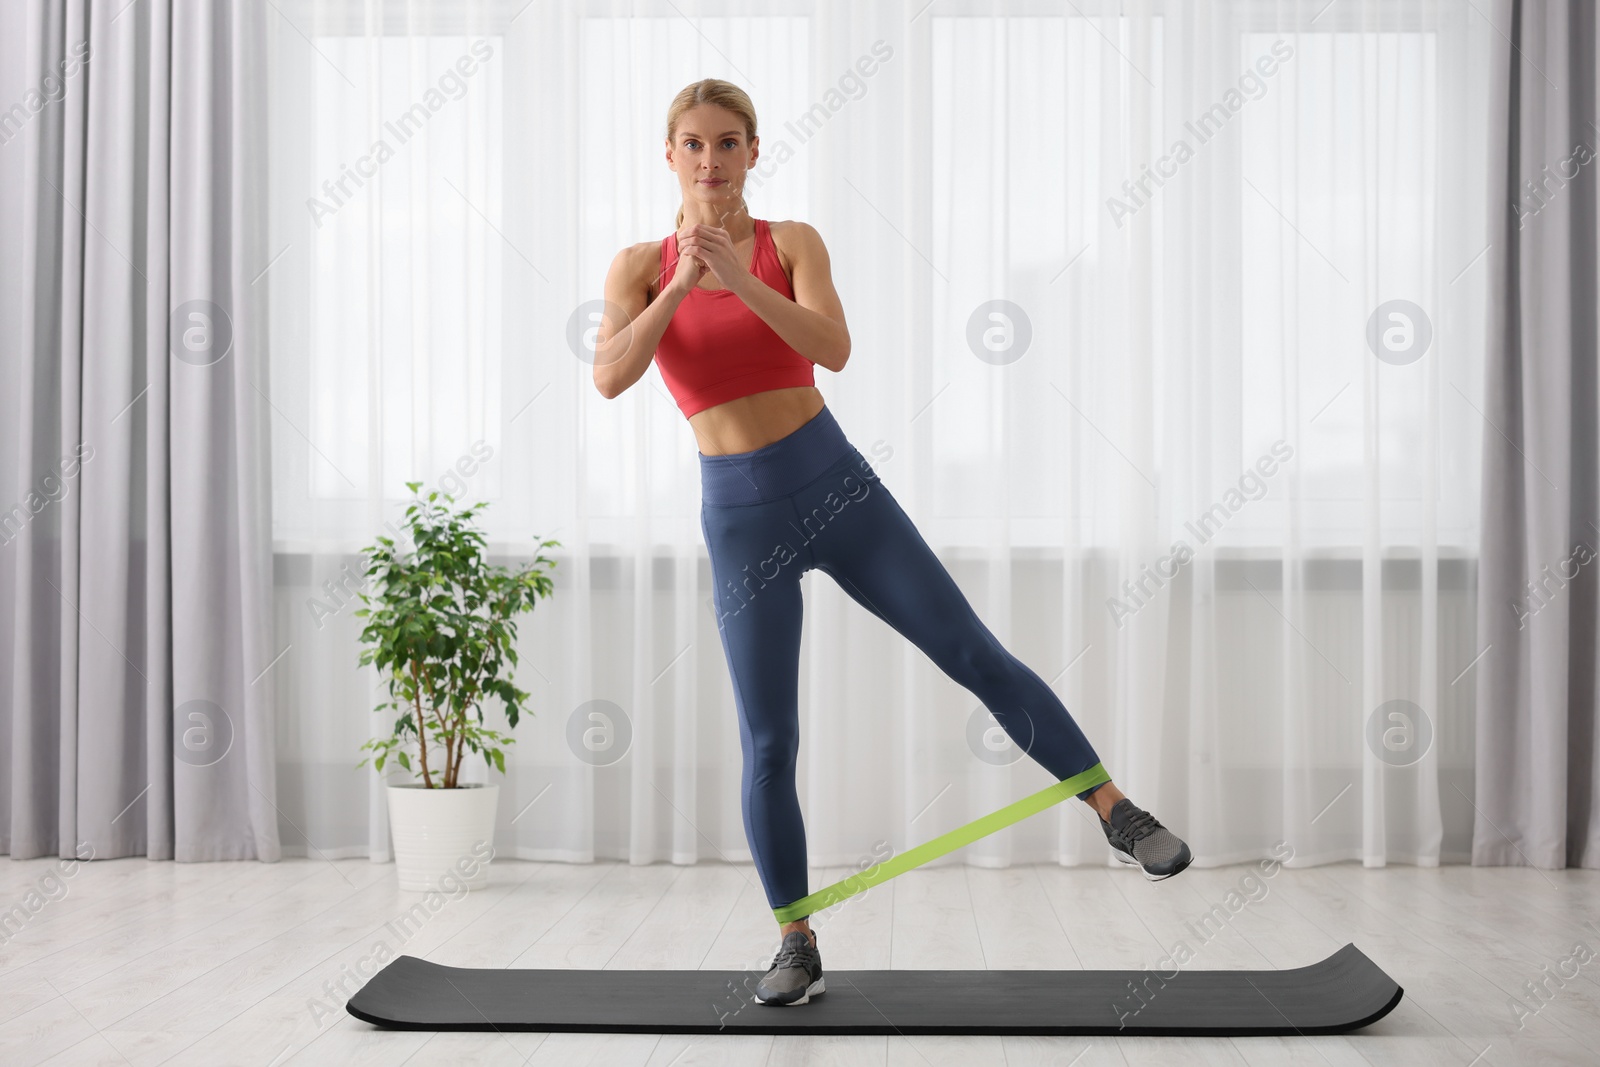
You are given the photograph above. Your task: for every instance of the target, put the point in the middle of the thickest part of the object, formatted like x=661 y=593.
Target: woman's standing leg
x=756 y=596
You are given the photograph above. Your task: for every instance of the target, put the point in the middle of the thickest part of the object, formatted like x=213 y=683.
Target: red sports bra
x=716 y=349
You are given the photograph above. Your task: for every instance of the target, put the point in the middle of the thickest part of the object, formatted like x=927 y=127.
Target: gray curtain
x=135 y=551
x=1536 y=762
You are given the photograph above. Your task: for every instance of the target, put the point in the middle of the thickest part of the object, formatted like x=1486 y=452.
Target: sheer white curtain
x=1121 y=283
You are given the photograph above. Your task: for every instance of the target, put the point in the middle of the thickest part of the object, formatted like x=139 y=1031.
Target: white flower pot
x=443 y=838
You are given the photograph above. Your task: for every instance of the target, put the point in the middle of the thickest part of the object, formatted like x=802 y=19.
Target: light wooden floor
x=228 y=963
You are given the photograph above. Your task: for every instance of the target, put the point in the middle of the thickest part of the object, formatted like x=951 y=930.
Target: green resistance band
x=983 y=826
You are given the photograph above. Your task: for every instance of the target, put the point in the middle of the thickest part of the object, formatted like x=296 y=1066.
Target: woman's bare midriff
x=754 y=421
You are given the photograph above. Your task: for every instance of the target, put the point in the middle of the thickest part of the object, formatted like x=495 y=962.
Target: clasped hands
x=703 y=248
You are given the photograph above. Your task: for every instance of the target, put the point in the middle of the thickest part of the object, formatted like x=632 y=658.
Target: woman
x=737 y=313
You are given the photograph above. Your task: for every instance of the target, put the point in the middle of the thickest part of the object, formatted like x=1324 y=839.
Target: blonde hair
x=723 y=94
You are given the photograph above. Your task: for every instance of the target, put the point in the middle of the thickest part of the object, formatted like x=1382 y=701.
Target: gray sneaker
x=796 y=974
x=1137 y=838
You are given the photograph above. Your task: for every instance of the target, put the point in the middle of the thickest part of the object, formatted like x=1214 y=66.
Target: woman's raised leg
x=861 y=537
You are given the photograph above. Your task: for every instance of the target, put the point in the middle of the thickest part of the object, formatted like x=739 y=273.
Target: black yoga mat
x=1344 y=992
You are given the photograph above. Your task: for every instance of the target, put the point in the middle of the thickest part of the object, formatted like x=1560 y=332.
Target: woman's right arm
x=631 y=324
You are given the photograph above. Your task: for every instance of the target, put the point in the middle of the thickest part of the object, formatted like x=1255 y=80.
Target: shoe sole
x=819 y=986
x=1130 y=861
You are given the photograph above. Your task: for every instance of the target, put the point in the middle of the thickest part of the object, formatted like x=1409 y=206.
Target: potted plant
x=441 y=626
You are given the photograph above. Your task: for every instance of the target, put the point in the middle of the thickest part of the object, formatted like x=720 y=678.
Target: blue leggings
x=812 y=500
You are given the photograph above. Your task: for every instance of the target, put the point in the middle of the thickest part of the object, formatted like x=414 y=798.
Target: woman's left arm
x=813 y=322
